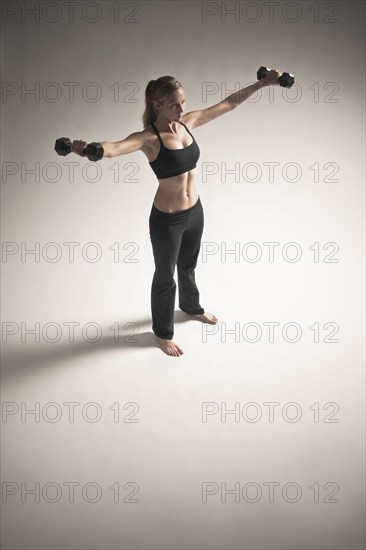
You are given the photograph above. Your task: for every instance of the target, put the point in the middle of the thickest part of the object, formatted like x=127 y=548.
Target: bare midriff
x=176 y=193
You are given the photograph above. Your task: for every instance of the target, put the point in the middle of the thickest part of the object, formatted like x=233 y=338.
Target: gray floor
x=236 y=444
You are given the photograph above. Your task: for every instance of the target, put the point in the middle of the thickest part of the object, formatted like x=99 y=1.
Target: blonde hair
x=157 y=90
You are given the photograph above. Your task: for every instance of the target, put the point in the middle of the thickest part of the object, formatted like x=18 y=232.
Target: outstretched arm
x=203 y=116
x=131 y=143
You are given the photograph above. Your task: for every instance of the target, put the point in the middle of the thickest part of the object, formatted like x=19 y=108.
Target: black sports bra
x=172 y=162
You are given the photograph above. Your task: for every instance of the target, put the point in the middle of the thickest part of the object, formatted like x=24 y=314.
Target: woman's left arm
x=203 y=116
x=241 y=95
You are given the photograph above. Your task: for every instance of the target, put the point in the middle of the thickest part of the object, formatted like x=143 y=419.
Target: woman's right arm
x=131 y=143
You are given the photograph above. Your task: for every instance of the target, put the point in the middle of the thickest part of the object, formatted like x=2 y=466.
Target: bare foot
x=207 y=318
x=169 y=346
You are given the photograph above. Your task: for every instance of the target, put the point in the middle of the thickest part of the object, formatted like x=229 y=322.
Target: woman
x=176 y=218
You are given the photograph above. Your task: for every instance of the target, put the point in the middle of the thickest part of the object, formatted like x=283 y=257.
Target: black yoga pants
x=176 y=240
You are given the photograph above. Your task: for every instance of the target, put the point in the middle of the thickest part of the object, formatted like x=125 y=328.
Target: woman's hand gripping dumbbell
x=94 y=151
x=273 y=76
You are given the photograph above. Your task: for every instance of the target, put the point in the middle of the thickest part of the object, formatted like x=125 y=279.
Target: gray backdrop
x=254 y=437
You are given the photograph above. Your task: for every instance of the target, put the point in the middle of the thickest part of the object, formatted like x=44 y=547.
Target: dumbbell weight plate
x=63 y=146
x=286 y=80
x=262 y=72
x=94 y=151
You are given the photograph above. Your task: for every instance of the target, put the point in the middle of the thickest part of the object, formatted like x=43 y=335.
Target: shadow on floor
x=21 y=360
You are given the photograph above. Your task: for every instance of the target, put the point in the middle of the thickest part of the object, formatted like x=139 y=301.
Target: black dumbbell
x=286 y=79
x=94 y=151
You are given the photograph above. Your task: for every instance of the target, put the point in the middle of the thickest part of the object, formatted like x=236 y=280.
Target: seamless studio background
x=253 y=438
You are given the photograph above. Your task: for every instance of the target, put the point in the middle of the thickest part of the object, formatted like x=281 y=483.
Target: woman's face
x=172 y=107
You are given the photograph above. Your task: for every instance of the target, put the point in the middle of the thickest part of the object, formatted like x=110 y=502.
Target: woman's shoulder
x=149 y=141
x=188 y=120
x=148 y=132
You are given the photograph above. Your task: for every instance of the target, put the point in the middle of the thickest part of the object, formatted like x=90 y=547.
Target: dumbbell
x=94 y=151
x=286 y=79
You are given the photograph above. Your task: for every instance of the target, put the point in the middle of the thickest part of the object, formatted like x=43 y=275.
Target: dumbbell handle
x=85 y=151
